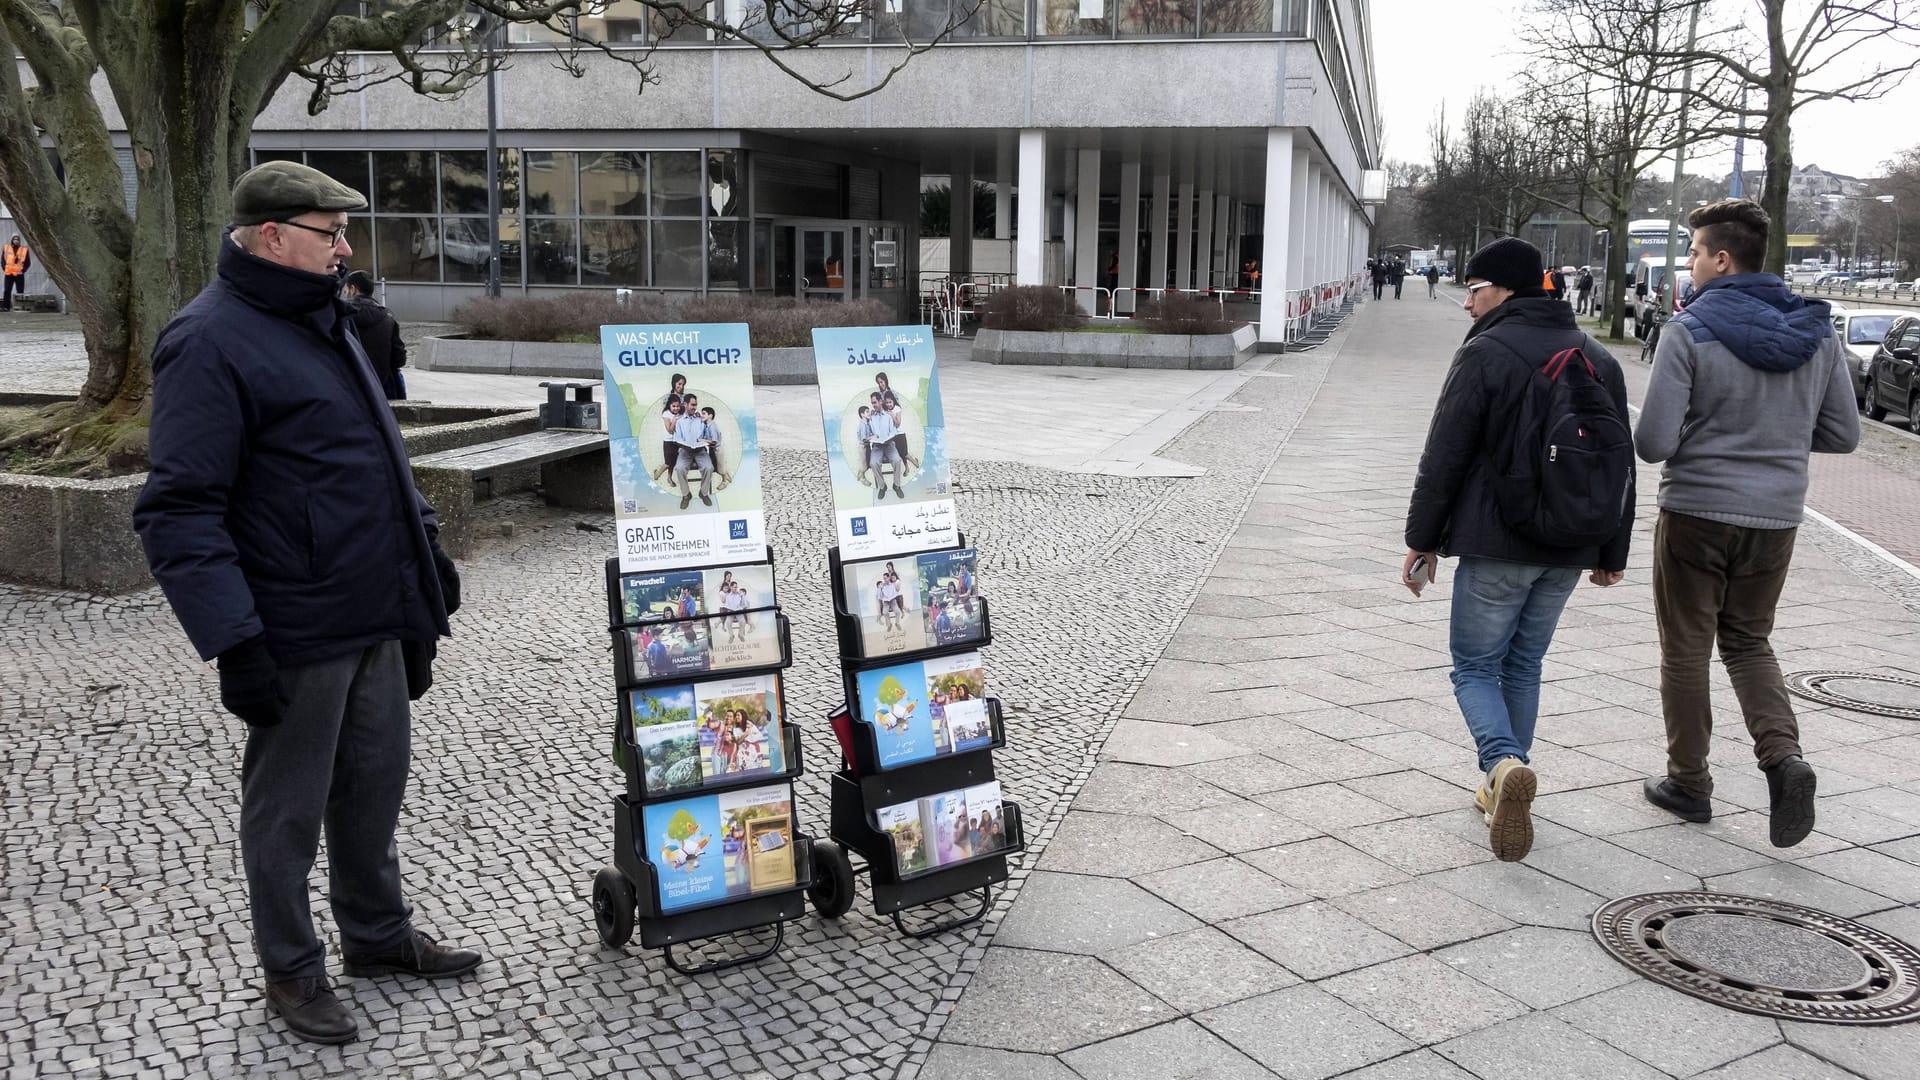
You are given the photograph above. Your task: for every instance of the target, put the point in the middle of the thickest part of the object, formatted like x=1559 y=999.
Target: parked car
x=1890 y=375
x=1832 y=277
x=1862 y=331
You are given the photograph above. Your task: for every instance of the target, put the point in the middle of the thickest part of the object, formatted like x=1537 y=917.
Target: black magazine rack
x=630 y=894
x=866 y=785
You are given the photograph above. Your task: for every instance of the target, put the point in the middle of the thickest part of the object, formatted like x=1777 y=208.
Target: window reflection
x=723 y=183
x=408 y=248
x=553 y=256
x=678 y=255
x=613 y=253
x=1075 y=18
x=676 y=183
x=613 y=182
x=612 y=21
x=463 y=181
x=403 y=181
x=991 y=18
x=549 y=182
x=723 y=254
x=347 y=166
x=1153 y=17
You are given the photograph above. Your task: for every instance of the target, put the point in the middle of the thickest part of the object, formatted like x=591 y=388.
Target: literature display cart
x=706 y=841
x=916 y=796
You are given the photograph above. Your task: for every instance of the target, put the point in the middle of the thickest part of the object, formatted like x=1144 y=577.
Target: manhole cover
x=1882 y=695
x=1765 y=957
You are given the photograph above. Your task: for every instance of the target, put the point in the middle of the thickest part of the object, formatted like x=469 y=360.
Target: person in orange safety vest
x=16 y=259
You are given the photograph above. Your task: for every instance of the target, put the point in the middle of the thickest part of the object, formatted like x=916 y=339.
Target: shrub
x=772 y=321
x=1183 y=315
x=1030 y=307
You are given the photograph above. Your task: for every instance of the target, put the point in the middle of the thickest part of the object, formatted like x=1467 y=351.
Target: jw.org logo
x=859 y=526
x=737 y=529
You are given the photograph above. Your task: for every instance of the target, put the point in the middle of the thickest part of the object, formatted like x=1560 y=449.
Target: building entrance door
x=826 y=271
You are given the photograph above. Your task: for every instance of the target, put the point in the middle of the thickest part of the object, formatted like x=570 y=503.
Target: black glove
x=449 y=575
x=250 y=683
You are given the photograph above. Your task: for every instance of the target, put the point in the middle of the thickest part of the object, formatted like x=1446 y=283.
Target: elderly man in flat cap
x=281 y=520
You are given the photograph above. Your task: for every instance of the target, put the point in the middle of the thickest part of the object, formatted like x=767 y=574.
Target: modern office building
x=1197 y=135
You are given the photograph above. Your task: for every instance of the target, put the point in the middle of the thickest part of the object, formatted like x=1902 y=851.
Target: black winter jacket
x=280 y=498
x=1453 y=509
x=380 y=336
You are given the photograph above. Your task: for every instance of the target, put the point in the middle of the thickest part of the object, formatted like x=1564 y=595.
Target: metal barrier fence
x=1877 y=290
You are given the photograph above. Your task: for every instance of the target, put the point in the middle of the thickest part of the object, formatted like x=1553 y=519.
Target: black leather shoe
x=311 y=1011
x=1662 y=792
x=418 y=955
x=1790 y=790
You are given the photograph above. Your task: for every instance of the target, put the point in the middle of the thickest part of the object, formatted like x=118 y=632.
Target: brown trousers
x=1718 y=582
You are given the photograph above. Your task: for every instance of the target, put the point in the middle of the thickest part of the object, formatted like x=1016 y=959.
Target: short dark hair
x=361 y=282
x=1735 y=226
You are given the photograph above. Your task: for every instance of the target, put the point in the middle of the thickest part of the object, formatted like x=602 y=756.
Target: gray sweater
x=1746 y=381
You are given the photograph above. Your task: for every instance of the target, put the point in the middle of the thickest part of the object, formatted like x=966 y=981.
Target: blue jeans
x=1504 y=614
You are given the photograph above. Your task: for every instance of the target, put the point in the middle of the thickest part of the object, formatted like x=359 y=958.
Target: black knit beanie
x=1508 y=262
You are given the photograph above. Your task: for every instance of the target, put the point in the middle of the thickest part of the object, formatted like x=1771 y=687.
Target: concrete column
x=960 y=200
x=1129 y=228
x=1004 y=154
x=1183 y=223
x=1297 y=209
x=1030 y=254
x=1222 y=245
x=1086 y=259
x=1275 y=259
x=1158 y=213
x=1203 y=223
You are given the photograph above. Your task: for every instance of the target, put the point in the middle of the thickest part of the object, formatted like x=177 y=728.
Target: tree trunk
x=1777 y=138
x=1616 y=278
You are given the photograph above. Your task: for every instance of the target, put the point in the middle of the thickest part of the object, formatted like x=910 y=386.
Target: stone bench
x=574 y=469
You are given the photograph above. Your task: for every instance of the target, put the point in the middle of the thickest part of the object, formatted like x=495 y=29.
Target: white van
x=1648 y=287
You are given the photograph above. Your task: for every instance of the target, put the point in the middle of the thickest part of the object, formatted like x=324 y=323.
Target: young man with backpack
x=1747 y=379
x=1531 y=421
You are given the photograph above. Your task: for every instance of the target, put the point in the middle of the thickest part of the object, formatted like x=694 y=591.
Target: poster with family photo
x=711 y=848
x=710 y=732
x=683 y=445
x=690 y=621
x=914 y=602
x=947 y=828
x=914 y=708
x=886 y=440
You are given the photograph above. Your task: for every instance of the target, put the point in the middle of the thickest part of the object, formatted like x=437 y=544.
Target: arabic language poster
x=886 y=440
x=684 y=445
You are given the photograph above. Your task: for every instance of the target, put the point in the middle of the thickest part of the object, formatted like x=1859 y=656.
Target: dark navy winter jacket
x=280 y=498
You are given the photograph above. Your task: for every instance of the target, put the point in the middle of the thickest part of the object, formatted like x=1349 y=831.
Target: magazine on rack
x=950 y=827
x=914 y=707
x=722 y=846
x=709 y=732
x=914 y=602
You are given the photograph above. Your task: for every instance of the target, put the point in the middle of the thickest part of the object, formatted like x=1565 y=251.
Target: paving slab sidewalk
x=1275 y=868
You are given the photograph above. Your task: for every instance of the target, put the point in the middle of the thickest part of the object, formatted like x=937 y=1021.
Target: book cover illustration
x=893 y=699
x=945 y=817
x=667 y=736
x=676 y=594
x=885 y=595
x=683 y=444
x=949 y=591
x=986 y=821
x=902 y=824
x=757 y=825
x=682 y=843
x=741 y=729
x=957 y=697
x=886 y=439
x=661 y=649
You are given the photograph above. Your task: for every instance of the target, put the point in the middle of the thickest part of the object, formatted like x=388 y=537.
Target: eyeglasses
x=334 y=235
x=1478 y=285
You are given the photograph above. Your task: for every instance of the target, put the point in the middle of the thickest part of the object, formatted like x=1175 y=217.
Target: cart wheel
x=832 y=891
x=613 y=906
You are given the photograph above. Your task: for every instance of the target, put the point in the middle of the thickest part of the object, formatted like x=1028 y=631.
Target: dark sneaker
x=1790 y=789
x=1508 y=805
x=417 y=955
x=1662 y=792
x=311 y=1011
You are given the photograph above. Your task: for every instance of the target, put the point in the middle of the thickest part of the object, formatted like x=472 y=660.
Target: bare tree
x=1797 y=53
x=188 y=81
x=1596 y=74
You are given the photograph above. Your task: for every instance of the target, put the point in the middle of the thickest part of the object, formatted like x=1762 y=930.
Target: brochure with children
x=950 y=827
x=683 y=445
x=886 y=440
x=711 y=732
x=682 y=594
x=914 y=602
x=684 y=622
x=911 y=706
x=727 y=845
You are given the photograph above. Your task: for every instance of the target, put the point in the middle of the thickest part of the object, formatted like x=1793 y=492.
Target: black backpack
x=1567 y=481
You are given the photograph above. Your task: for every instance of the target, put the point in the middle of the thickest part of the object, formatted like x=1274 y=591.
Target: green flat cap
x=279 y=190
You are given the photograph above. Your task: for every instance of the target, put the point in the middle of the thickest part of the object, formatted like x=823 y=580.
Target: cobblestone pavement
x=126 y=949
x=1275 y=869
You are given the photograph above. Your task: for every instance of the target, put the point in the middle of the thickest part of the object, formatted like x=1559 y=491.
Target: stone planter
x=1174 y=352
x=58 y=533
x=548 y=360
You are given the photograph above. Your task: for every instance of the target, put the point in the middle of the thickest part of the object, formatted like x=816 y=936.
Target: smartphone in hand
x=1419 y=574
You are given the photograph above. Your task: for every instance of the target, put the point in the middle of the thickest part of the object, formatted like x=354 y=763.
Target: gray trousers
x=340 y=757
x=884 y=453
x=694 y=459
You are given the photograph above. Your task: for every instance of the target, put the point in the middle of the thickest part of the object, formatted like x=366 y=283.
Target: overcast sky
x=1429 y=51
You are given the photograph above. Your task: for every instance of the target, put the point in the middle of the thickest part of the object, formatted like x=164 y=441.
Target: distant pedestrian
x=1432 y=275
x=379 y=335
x=1380 y=274
x=1512 y=581
x=281 y=519
x=1559 y=284
x=1583 y=290
x=16 y=259
x=1733 y=408
x=1399 y=277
